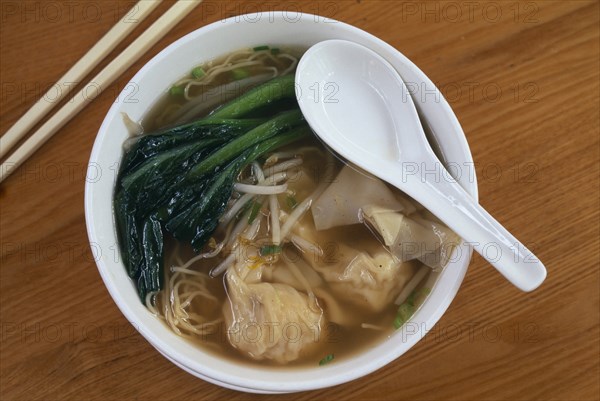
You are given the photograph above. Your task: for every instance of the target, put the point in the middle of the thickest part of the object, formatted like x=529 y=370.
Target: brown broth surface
x=341 y=341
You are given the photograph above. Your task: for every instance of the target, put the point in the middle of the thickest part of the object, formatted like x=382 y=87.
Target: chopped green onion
x=421 y=295
x=405 y=311
x=328 y=358
x=275 y=51
x=243 y=210
x=291 y=201
x=254 y=212
x=270 y=250
x=415 y=295
x=259 y=48
x=198 y=72
x=176 y=90
x=239 y=73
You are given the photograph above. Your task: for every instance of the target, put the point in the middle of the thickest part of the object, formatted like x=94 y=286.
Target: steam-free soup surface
x=307 y=260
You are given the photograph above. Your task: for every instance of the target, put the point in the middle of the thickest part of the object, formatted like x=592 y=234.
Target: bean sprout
x=236 y=207
x=283 y=166
x=295 y=216
x=260 y=189
x=275 y=227
x=412 y=284
x=305 y=245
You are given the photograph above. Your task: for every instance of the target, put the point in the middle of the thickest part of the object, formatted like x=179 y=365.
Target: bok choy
x=178 y=181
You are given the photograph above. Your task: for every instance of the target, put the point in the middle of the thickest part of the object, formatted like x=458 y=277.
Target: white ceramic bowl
x=278 y=28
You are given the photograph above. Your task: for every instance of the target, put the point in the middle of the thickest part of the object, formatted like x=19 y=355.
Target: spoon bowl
x=358 y=104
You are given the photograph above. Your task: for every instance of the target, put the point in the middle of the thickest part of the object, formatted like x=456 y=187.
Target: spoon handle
x=445 y=198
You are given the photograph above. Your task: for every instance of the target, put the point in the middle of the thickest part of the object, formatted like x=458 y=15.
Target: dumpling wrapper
x=443 y=246
x=370 y=281
x=412 y=237
x=270 y=321
x=410 y=205
x=384 y=221
x=340 y=203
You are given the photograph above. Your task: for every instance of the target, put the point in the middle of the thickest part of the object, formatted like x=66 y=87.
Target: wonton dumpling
x=270 y=321
x=368 y=280
x=280 y=273
x=412 y=237
x=340 y=203
x=445 y=242
x=384 y=221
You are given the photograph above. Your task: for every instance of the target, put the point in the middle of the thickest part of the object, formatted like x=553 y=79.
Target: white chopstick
x=104 y=78
x=76 y=74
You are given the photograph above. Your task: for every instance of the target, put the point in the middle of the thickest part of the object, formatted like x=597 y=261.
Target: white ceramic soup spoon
x=358 y=104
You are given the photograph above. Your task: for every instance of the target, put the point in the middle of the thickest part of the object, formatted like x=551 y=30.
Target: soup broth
x=309 y=259
x=342 y=339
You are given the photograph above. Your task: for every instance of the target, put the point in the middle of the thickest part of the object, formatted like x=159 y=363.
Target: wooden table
x=522 y=78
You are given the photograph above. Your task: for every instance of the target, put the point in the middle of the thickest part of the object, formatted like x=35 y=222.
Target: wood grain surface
x=523 y=78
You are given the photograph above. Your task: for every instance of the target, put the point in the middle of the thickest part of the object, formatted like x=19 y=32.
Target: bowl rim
x=328 y=375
